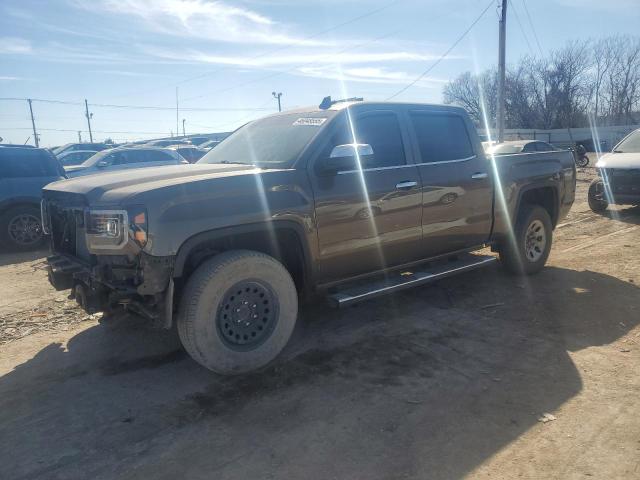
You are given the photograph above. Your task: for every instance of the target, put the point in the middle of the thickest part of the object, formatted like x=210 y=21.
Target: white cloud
x=276 y=60
x=208 y=20
x=368 y=75
x=6 y=78
x=15 y=45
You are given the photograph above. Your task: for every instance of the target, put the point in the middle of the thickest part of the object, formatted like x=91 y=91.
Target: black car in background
x=23 y=173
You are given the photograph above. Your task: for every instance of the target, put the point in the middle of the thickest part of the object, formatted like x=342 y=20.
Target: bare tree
x=475 y=93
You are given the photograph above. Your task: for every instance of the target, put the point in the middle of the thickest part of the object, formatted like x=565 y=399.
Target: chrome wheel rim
x=25 y=229
x=535 y=241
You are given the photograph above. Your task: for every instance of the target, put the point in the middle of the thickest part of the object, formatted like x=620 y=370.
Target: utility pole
x=79 y=136
x=501 y=72
x=277 y=97
x=89 y=117
x=177 y=114
x=183 y=134
x=33 y=124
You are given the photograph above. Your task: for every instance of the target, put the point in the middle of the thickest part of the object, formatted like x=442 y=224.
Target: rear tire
x=582 y=161
x=532 y=242
x=237 y=312
x=21 y=228
x=595 y=197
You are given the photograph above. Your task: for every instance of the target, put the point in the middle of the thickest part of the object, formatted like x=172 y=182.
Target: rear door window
x=27 y=162
x=441 y=137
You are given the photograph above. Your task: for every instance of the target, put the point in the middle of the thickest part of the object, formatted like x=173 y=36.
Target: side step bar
x=351 y=294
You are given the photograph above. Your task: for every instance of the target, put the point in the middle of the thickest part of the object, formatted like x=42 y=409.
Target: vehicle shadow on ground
x=434 y=379
x=8 y=257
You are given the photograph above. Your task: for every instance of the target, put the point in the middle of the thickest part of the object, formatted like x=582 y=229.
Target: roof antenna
x=325 y=103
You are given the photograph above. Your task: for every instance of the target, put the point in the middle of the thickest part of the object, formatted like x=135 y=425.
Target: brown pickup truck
x=350 y=200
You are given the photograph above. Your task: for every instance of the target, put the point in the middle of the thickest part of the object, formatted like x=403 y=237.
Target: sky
x=227 y=57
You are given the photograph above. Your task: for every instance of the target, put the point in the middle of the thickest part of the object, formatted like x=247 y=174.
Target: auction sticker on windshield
x=315 y=122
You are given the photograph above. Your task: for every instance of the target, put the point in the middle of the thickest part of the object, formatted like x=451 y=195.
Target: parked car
x=75 y=158
x=199 y=140
x=210 y=144
x=23 y=173
x=74 y=147
x=15 y=145
x=227 y=247
x=189 y=152
x=519 y=146
x=167 y=142
x=618 y=179
x=125 y=158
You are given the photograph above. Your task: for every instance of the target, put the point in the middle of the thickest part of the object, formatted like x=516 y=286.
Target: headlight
x=106 y=229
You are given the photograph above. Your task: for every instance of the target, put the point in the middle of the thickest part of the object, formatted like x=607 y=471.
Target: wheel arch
x=282 y=239
x=544 y=195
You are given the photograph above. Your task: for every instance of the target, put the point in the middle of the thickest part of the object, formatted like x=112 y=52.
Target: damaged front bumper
x=143 y=286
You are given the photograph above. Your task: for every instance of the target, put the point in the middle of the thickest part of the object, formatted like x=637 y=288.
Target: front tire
x=238 y=311
x=596 y=198
x=21 y=228
x=530 y=249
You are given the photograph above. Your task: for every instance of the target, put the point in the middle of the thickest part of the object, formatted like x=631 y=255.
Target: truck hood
x=619 y=160
x=116 y=187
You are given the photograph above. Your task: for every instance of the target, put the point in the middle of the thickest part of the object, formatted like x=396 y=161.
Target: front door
x=367 y=218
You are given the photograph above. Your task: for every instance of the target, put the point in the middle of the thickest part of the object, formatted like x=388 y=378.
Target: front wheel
x=21 y=229
x=582 y=161
x=596 y=197
x=238 y=311
x=529 y=249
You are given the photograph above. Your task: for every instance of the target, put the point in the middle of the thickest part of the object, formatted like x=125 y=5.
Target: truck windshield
x=274 y=142
x=631 y=144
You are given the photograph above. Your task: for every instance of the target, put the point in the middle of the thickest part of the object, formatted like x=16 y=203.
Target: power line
x=443 y=56
x=515 y=12
x=535 y=35
x=137 y=107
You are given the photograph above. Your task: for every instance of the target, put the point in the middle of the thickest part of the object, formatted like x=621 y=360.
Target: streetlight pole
x=277 y=97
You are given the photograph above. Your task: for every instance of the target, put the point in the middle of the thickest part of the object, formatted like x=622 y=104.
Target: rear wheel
x=237 y=312
x=21 y=228
x=596 y=198
x=531 y=245
x=582 y=161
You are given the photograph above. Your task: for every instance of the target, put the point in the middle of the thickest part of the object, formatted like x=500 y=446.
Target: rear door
x=457 y=200
x=367 y=218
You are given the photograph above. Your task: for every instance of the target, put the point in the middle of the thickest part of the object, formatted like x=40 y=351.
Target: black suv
x=23 y=173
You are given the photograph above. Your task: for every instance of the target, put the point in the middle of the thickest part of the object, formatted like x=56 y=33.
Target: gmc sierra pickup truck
x=349 y=199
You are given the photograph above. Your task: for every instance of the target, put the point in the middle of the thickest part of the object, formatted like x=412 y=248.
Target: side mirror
x=102 y=164
x=345 y=157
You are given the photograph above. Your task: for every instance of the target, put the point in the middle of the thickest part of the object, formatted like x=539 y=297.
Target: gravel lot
x=479 y=376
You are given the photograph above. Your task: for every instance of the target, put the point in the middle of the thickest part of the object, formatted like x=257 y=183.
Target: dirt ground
x=480 y=376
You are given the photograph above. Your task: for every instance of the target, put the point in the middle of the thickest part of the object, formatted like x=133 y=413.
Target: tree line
x=594 y=79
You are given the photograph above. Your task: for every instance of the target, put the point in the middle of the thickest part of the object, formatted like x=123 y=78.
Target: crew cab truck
x=350 y=200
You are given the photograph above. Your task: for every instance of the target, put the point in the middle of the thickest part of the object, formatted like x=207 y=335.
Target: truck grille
x=67 y=229
x=626 y=182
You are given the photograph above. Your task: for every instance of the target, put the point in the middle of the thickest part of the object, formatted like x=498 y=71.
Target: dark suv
x=23 y=173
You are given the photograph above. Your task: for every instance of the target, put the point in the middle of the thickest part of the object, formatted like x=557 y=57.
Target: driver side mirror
x=345 y=157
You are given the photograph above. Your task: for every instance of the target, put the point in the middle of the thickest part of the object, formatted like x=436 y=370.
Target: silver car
x=125 y=158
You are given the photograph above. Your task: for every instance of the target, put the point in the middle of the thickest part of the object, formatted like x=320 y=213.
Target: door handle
x=479 y=175
x=406 y=185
